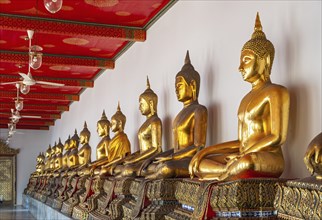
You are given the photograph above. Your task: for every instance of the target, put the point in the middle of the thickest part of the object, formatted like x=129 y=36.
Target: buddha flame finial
x=147 y=82
x=258 y=25
x=59 y=141
x=118 y=106
x=187 y=59
x=103 y=116
x=85 y=124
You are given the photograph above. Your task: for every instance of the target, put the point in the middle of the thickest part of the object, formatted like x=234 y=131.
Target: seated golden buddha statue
x=85 y=152
x=58 y=163
x=189 y=129
x=73 y=161
x=119 y=146
x=40 y=166
x=103 y=130
x=149 y=135
x=313 y=156
x=64 y=166
x=48 y=158
x=262 y=122
x=53 y=158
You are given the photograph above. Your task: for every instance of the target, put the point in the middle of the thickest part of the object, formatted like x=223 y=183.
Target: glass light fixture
x=19 y=104
x=35 y=57
x=53 y=5
x=24 y=89
x=12 y=126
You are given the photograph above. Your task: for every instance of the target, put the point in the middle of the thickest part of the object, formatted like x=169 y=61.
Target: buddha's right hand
x=144 y=165
x=195 y=162
x=313 y=155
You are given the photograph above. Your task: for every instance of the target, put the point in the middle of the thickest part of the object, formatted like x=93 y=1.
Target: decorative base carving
x=123 y=193
x=57 y=203
x=74 y=200
x=299 y=199
x=193 y=198
x=245 y=198
x=104 y=200
x=161 y=194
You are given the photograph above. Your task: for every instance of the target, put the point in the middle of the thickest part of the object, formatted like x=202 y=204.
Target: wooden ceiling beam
x=30 y=122
x=36 y=107
x=40 y=96
x=84 y=83
x=27 y=127
x=70 y=28
x=6 y=114
x=61 y=60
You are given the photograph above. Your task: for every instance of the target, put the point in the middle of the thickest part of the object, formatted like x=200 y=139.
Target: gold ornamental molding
x=5 y=150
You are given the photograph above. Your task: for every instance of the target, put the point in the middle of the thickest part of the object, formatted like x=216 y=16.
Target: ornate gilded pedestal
x=193 y=198
x=48 y=190
x=299 y=199
x=32 y=184
x=161 y=195
x=78 y=184
x=41 y=187
x=245 y=198
x=62 y=193
x=88 y=200
x=54 y=191
x=138 y=198
x=104 y=200
x=123 y=196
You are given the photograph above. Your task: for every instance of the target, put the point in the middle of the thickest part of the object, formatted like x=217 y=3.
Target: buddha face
x=144 y=107
x=183 y=89
x=66 y=145
x=100 y=130
x=72 y=143
x=251 y=66
x=58 y=150
x=83 y=139
x=115 y=125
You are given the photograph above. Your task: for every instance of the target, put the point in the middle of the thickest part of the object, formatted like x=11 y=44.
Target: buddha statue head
x=118 y=120
x=59 y=148
x=148 y=101
x=40 y=158
x=187 y=82
x=66 y=144
x=84 y=135
x=103 y=126
x=74 y=141
x=48 y=152
x=53 y=150
x=257 y=55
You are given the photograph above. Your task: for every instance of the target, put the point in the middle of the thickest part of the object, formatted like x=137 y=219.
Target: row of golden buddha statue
x=72 y=183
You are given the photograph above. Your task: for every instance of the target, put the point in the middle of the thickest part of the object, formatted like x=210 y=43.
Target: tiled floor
x=14 y=212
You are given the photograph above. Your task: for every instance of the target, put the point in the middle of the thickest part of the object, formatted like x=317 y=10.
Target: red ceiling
x=79 y=42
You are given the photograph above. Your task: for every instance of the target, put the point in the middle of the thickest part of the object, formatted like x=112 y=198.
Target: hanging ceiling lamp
x=53 y=5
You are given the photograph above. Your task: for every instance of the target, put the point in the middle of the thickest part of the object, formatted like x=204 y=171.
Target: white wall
x=214 y=32
x=30 y=144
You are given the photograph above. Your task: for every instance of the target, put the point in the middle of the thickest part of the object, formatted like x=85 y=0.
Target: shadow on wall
x=166 y=122
x=213 y=119
x=299 y=100
x=298 y=126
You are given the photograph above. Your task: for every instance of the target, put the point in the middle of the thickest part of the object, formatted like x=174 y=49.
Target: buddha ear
x=268 y=60
x=193 y=85
x=151 y=107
